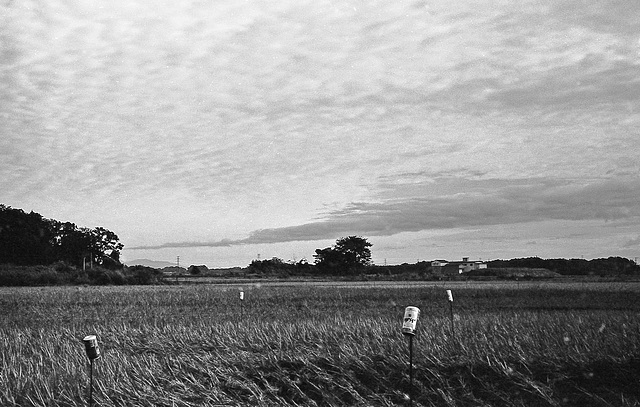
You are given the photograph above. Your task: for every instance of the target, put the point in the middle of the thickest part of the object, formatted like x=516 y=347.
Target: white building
x=457 y=267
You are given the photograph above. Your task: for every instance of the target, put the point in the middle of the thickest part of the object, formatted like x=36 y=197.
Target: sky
x=227 y=131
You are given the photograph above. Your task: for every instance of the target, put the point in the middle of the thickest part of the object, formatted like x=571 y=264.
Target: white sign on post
x=411 y=315
x=91 y=347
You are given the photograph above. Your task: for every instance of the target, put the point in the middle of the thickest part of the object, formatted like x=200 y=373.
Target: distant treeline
x=612 y=266
x=278 y=267
x=28 y=239
x=582 y=267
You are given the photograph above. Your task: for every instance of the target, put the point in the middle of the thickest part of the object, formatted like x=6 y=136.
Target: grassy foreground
x=196 y=346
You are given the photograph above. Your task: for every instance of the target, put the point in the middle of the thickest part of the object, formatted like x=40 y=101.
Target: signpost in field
x=93 y=352
x=450 y=297
x=411 y=315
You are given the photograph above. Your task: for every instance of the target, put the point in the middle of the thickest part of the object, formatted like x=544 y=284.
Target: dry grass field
x=527 y=344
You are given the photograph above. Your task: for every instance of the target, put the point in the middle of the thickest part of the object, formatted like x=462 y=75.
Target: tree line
x=28 y=239
x=576 y=267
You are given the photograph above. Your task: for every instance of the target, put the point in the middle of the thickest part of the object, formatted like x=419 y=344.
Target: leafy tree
x=349 y=255
x=71 y=243
x=25 y=238
x=103 y=241
x=355 y=249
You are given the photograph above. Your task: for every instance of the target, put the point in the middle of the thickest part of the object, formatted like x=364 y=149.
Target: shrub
x=14 y=276
x=143 y=275
x=11 y=277
x=47 y=276
x=102 y=276
x=63 y=267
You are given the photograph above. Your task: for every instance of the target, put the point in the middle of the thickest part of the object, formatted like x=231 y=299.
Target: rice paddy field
x=527 y=344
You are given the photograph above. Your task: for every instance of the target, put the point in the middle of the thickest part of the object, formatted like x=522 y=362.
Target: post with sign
x=450 y=296
x=241 y=305
x=93 y=352
x=411 y=315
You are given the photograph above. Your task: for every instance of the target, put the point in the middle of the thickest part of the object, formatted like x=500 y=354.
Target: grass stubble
x=307 y=346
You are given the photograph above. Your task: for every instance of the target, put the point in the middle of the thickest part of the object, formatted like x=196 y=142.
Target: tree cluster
x=28 y=239
x=350 y=255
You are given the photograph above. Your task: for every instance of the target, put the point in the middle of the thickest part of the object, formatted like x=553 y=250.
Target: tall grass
x=189 y=346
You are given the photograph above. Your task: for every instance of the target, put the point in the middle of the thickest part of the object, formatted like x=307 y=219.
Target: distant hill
x=149 y=263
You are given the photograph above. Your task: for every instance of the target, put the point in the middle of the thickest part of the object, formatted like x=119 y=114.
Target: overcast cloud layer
x=219 y=130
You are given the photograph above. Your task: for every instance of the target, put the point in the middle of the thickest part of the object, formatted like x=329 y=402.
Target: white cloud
x=632 y=243
x=227 y=122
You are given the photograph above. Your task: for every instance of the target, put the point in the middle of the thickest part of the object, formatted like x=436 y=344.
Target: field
x=526 y=344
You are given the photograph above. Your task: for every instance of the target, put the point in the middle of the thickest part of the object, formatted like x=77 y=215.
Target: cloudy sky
x=223 y=131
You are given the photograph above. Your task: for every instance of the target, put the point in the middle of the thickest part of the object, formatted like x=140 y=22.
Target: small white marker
x=241 y=295
x=450 y=295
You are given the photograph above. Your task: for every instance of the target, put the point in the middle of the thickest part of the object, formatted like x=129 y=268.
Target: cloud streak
x=467 y=205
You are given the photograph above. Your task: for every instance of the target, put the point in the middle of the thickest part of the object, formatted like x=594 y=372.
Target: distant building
x=173 y=270
x=457 y=267
x=438 y=263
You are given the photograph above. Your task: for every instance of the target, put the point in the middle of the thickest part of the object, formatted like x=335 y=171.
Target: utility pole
x=178 y=269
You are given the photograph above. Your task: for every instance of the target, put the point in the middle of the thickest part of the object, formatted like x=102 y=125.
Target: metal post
x=411 y=315
x=411 y=370
x=242 y=305
x=93 y=352
x=450 y=296
x=91 y=383
x=453 y=332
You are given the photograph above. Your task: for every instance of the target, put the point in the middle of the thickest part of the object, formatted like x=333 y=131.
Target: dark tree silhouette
x=30 y=239
x=349 y=255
